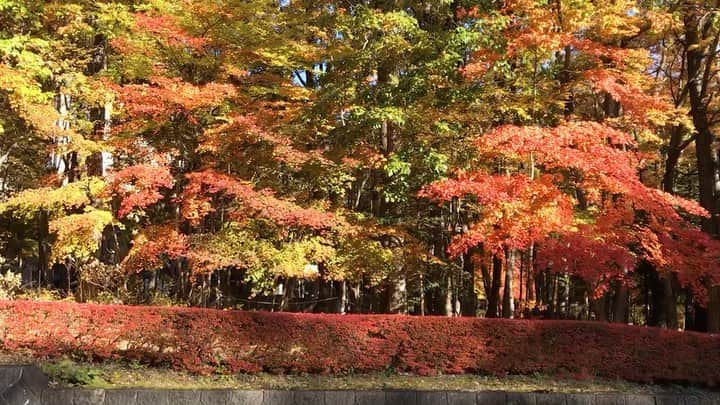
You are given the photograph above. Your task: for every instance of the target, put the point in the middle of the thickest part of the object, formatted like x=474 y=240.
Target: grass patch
x=127 y=375
x=109 y=375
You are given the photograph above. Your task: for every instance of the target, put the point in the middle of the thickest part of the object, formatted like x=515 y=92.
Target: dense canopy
x=516 y=158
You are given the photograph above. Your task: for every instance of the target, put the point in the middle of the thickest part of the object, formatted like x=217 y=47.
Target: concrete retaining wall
x=27 y=385
x=230 y=397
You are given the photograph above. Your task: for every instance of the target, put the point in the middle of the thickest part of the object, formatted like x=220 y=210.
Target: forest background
x=537 y=159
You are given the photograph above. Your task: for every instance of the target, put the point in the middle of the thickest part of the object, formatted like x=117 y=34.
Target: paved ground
x=27 y=385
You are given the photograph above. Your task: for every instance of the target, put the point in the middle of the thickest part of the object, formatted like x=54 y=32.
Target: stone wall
x=391 y=397
x=27 y=385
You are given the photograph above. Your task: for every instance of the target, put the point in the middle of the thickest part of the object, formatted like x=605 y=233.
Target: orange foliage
x=150 y=245
x=165 y=28
x=516 y=211
x=631 y=220
x=165 y=96
x=242 y=131
x=208 y=184
x=138 y=186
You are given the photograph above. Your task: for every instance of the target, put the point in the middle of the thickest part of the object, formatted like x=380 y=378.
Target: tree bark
x=448 y=309
x=600 y=308
x=469 y=298
x=706 y=157
x=508 y=307
x=494 y=297
x=397 y=295
x=620 y=304
x=671 y=161
x=43 y=248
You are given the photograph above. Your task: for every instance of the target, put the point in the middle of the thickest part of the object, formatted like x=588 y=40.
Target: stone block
x=638 y=399
x=610 y=399
x=120 y=397
x=273 y=397
x=152 y=397
x=35 y=379
x=401 y=397
x=433 y=398
x=309 y=398
x=246 y=397
x=580 y=399
x=214 y=397
x=22 y=384
x=183 y=397
x=370 y=398
x=491 y=398
x=58 y=396
x=88 y=397
x=461 y=398
x=345 y=397
x=9 y=376
x=670 y=400
x=550 y=398
x=521 y=398
x=708 y=399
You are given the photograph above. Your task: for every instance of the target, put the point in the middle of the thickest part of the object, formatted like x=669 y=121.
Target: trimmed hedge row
x=204 y=340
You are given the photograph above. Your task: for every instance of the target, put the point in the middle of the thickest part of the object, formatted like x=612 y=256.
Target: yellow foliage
x=78 y=236
x=26 y=204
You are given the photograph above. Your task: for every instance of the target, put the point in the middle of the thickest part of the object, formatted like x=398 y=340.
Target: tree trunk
x=600 y=308
x=469 y=298
x=289 y=294
x=713 y=310
x=494 y=297
x=341 y=292
x=620 y=304
x=448 y=295
x=554 y=296
x=671 y=161
x=705 y=154
x=669 y=302
x=421 y=295
x=43 y=248
x=508 y=307
x=397 y=297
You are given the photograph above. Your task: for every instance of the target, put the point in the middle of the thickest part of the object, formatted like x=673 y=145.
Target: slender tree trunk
x=421 y=295
x=43 y=248
x=494 y=297
x=469 y=297
x=565 y=307
x=554 y=295
x=508 y=307
x=529 y=277
x=669 y=302
x=341 y=302
x=448 y=295
x=672 y=159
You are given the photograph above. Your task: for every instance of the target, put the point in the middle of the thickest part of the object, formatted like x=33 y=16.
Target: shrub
x=9 y=285
x=203 y=340
x=72 y=373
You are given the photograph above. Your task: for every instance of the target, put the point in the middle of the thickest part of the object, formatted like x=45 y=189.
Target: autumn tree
x=508 y=159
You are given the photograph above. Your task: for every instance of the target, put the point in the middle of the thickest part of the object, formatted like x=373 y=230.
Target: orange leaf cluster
x=208 y=184
x=152 y=245
x=139 y=186
x=166 y=28
x=164 y=96
x=516 y=211
x=242 y=131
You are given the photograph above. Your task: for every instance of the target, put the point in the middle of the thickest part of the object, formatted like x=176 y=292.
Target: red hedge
x=203 y=340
